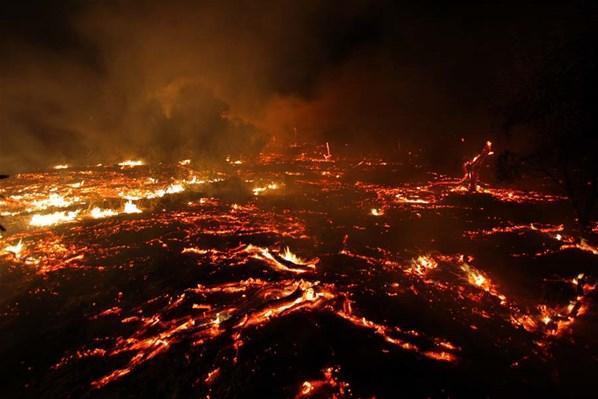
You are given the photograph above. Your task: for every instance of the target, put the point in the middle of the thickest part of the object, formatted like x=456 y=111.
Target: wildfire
x=582 y=245
x=478 y=279
x=53 y=218
x=241 y=243
x=472 y=167
x=212 y=375
x=271 y=186
x=328 y=154
x=195 y=180
x=422 y=265
x=233 y=162
x=175 y=188
x=275 y=261
x=291 y=257
x=328 y=386
x=410 y=200
x=53 y=201
x=98 y=213
x=131 y=208
x=376 y=212
x=62 y=166
x=306 y=389
x=15 y=249
x=131 y=163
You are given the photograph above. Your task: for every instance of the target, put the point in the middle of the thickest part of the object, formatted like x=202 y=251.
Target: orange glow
x=15 y=249
x=376 y=212
x=266 y=258
x=131 y=207
x=98 y=213
x=131 y=163
x=53 y=218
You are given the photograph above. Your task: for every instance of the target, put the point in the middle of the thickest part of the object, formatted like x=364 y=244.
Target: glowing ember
x=407 y=200
x=422 y=265
x=259 y=190
x=328 y=386
x=376 y=212
x=274 y=261
x=582 y=245
x=232 y=278
x=234 y=162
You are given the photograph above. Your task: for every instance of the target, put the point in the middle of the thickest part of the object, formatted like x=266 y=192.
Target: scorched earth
x=290 y=276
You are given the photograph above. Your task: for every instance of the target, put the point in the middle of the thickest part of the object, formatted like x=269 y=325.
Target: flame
x=131 y=163
x=236 y=162
x=16 y=249
x=328 y=154
x=266 y=255
x=53 y=218
x=53 y=201
x=175 y=188
x=98 y=213
x=478 y=279
x=185 y=162
x=291 y=257
x=410 y=200
x=195 y=180
x=376 y=212
x=131 y=207
x=137 y=194
x=201 y=229
x=422 y=265
x=62 y=166
x=271 y=186
x=307 y=388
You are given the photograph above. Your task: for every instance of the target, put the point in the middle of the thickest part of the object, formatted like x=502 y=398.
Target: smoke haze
x=101 y=81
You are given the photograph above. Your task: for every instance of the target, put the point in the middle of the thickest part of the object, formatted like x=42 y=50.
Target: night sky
x=89 y=81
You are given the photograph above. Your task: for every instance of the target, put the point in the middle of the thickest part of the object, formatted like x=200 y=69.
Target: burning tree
x=472 y=167
x=559 y=109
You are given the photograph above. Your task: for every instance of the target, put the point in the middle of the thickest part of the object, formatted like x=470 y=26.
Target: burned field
x=290 y=276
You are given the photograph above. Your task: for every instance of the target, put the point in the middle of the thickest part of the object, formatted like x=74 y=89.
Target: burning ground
x=289 y=276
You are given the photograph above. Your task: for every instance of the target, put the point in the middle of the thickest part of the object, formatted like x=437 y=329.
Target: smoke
x=86 y=82
x=149 y=80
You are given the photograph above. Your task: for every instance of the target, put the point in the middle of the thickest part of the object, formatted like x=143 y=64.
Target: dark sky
x=88 y=81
